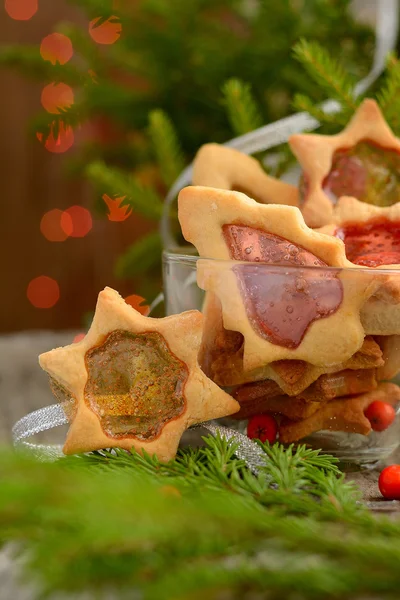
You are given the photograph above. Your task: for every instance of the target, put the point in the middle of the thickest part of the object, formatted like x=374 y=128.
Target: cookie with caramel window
x=371 y=235
x=289 y=303
x=134 y=381
x=362 y=161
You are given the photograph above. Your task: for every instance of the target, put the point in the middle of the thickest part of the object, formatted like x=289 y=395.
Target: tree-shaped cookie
x=362 y=161
x=134 y=381
x=289 y=303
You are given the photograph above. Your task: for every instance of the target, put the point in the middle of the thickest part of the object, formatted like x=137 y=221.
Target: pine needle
x=197 y=526
x=389 y=95
x=166 y=146
x=335 y=121
x=327 y=73
x=116 y=183
x=242 y=111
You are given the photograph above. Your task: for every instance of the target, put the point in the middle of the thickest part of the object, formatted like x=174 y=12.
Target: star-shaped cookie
x=228 y=169
x=283 y=306
x=134 y=381
x=362 y=161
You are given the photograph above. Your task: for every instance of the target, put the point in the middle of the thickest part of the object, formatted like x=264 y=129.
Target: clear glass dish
x=312 y=346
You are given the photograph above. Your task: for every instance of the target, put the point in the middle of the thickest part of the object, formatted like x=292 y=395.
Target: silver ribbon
x=246 y=450
x=54 y=416
x=263 y=138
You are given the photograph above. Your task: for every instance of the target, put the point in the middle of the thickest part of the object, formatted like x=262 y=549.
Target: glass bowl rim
x=177 y=255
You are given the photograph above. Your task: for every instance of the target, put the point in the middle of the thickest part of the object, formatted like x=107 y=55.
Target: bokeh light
x=21 y=10
x=81 y=219
x=56 y=48
x=56 y=96
x=116 y=211
x=106 y=33
x=78 y=338
x=137 y=303
x=51 y=227
x=43 y=292
x=64 y=140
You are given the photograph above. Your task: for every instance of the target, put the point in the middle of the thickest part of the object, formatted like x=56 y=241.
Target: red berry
x=262 y=427
x=389 y=482
x=380 y=415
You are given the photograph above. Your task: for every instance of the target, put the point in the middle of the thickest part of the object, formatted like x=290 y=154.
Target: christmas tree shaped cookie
x=362 y=161
x=305 y=313
x=134 y=381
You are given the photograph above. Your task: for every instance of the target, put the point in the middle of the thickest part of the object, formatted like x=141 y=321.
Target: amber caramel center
x=281 y=304
x=366 y=171
x=135 y=384
x=65 y=398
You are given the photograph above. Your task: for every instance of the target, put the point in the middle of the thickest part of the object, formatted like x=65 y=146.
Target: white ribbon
x=261 y=139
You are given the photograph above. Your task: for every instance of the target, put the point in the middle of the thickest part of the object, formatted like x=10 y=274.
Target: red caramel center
x=372 y=244
x=135 y=384
x=281 y=304
x=65 y=398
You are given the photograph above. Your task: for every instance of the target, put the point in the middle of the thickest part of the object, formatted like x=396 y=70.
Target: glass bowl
x=315 y=348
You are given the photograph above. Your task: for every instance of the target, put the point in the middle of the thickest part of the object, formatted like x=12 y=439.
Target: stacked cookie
x=302 y=309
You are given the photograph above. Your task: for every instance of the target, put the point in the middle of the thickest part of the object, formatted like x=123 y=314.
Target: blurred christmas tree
x=166 y=86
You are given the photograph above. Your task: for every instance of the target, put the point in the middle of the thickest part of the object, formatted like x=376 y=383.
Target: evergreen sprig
x=388 y=96
x=328 y=73
x=116 y=183
x=199 y=526
x=242 y=110
x=166 y=146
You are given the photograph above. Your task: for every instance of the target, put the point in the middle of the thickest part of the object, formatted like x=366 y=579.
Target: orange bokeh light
x=63 y=142
x=106 y=33
x=116 y=212
x=21 y=10
x=55 y=226
x=137 y=303
x=56 y=48
x=56 y=96
x=78 y=338
x=81 y=220
x=43 y=292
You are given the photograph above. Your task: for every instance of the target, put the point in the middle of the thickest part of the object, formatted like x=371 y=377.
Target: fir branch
x=50 y=124
x=242 y=110
x=195 y=526
x=27 y=60
x=335 y=121
x=116 y=183
x=166 y=146
x=142 y=256
x=388 y=95
x=98 y=8
x=327 y=73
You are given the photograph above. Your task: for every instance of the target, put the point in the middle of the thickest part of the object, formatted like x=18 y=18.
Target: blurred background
x=103 y=103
